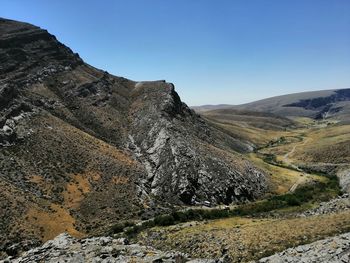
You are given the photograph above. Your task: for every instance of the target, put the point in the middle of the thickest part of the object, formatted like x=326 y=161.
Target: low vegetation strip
x=272 y=159
x=317 y=192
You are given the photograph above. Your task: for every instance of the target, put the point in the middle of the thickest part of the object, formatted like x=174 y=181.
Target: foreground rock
x=338 y=204
x=344 y=180
x=330 y=250
x=65 y=248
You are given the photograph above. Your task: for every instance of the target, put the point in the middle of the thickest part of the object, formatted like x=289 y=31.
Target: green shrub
x=193 y=214
x=149 y=224
x=309 y=193
x=270 y=158
x=129 y=231
x=117 y=228
x=164 y=220
x=179 y=216
x=292 y=200
x=126 y=224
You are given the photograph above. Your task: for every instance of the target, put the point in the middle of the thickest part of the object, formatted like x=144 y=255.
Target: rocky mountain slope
x=81 y=149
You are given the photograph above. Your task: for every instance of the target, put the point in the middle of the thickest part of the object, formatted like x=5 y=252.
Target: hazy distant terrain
x=327 y=104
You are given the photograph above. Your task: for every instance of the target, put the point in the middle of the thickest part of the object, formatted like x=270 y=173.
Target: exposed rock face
x=330 y=250
x=344 y=180
x=82 y=146
x=28 y=55
x=65 y=248
x=182 y=154
x=340 y=203
x=25 y=48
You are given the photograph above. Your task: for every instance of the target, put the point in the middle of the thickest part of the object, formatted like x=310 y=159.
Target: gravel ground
x=330 y=250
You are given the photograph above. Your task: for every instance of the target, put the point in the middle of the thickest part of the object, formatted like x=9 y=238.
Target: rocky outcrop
x=330 y=250
x=182 y=154
x=28 y=55
x=344 y=180
x=25 y=48
x=335 y=205
x=65 y=248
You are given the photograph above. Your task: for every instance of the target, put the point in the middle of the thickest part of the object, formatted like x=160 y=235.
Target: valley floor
x=266 y=229
x=302 y=206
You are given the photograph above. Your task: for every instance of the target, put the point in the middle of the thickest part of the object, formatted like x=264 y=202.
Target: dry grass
x=36 y=179
x=92 y=143
x=246 y=238
x=282 y=179
x=76 y=182
x=120 y=180
x=255 y=127
x=304 y=120
x=76 y=189
x=252 y=134
x=329 y=144
x=52 y=222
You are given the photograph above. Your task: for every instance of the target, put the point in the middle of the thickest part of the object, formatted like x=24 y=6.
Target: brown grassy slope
x=321 y=144
x=87 y=181
x=328 y=145
x=245 y=239
x=283 y=179
x=255 y=127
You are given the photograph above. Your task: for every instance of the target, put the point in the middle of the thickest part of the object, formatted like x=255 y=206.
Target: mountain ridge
x=81 y=149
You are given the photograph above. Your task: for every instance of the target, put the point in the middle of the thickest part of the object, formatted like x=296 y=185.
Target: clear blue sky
x=214 y=51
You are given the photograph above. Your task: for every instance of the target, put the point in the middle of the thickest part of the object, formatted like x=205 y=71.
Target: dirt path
x=295 y=185
x=289 y=163
x=286 y=156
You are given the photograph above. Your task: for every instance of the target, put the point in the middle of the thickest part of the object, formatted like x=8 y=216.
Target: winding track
x=287 y=161
x=286 y=156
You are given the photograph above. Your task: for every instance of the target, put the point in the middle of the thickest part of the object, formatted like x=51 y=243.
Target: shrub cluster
x=316 y=192
x=118 y=228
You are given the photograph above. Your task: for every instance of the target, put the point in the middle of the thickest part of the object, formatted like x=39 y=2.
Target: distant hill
x=204 y=108
x=322 y=104
x=255 y=128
